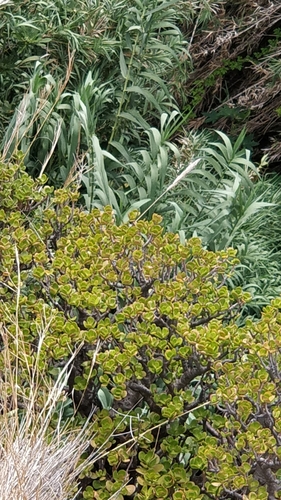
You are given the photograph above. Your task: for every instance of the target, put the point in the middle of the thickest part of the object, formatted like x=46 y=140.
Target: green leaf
x=123 y=65
x=105 y=398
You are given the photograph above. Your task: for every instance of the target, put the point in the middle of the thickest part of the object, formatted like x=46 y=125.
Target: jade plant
x=184 y=403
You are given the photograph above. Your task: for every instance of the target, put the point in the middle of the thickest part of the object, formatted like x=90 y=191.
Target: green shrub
x=184 y=403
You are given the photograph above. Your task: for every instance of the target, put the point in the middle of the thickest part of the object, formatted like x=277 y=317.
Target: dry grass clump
x=40 y=456
x=34 y=469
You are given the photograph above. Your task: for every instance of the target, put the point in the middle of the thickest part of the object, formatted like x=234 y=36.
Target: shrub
x=184 y=403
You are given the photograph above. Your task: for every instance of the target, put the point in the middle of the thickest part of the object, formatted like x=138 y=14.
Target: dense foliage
x=184 y=403
x=108 y=94
x=140 y=259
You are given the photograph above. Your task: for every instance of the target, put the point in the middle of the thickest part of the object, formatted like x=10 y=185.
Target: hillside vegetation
x=140 y=259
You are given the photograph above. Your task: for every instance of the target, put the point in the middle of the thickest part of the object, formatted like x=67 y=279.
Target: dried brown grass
x=39 y=455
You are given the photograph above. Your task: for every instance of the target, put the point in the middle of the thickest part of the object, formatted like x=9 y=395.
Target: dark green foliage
x=91 y=69
x=189 y=402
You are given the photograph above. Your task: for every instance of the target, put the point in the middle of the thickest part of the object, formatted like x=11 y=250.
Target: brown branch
x=147 y=395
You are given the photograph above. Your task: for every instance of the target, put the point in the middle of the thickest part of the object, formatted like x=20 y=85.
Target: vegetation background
x=168 y=112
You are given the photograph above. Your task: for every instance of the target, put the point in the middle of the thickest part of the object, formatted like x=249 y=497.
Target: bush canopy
x=184 y=402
